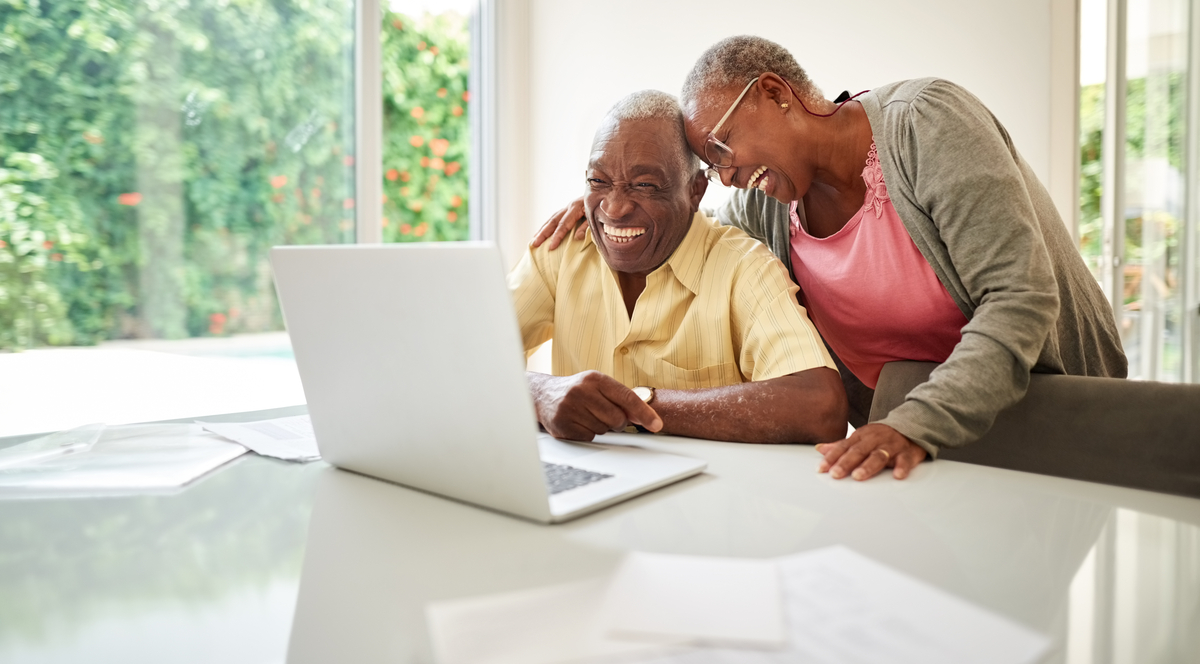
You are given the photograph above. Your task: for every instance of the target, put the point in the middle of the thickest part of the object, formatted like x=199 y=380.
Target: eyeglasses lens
x=717 y=153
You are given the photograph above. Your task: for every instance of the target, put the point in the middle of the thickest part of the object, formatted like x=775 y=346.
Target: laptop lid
x=413 y=368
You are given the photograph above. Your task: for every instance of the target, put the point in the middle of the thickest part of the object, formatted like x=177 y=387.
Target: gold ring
x=886 y=457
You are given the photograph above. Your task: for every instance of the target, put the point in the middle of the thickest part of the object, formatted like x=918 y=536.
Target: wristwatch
x=646 y=394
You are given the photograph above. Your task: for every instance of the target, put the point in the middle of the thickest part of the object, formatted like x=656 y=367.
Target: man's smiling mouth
x=620 y=235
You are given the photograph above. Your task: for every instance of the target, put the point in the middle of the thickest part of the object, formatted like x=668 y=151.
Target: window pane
x=154 y=152
x=1155 y=185
x=1093 y=28
x=426 y=47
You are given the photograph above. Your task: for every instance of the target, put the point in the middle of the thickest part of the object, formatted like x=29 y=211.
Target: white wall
x=583 y=56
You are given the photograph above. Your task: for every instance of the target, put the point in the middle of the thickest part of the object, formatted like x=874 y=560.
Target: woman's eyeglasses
x=716 y=153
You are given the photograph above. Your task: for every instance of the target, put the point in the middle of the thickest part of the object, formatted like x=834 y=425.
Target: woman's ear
x=776 y=90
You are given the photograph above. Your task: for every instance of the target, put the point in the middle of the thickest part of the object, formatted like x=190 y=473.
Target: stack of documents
x=99 y=460
x=830 y=605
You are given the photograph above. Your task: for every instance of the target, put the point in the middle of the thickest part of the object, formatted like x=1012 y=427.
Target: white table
x=226 y=569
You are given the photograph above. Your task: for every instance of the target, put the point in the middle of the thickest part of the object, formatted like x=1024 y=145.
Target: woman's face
x=758 y=132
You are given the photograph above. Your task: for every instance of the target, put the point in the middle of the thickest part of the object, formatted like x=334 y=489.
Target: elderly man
x=661 y=317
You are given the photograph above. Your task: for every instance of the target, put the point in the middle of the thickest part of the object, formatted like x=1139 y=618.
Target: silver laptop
x=414 y=372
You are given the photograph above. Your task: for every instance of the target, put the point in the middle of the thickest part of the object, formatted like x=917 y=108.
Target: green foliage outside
x=1157 y=133
x=426 y=133
x=152 y=153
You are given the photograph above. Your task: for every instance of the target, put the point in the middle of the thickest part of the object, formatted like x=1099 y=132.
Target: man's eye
x=596 y=182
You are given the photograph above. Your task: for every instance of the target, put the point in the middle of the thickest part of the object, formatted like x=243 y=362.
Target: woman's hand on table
x=869 y=450
x=560 y=224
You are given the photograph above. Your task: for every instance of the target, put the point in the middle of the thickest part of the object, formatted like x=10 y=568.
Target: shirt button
x=624 y=350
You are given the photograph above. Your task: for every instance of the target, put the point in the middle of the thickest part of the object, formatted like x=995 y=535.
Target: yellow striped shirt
x=720 y=311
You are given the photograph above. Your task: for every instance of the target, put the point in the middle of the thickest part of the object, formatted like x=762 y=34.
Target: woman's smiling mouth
x=762 y=183
x=619 y=235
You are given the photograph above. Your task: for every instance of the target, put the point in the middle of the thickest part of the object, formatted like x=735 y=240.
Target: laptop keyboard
x=563 y=478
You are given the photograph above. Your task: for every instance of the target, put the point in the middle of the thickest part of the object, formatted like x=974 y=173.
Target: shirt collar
x=687 y=261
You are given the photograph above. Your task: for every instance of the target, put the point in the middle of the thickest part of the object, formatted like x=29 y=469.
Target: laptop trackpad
x=557 y=451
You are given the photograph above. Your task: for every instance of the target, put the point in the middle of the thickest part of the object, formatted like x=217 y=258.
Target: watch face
x=644 y=393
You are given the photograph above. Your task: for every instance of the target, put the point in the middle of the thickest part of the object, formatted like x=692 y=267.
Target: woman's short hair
x=733 y=61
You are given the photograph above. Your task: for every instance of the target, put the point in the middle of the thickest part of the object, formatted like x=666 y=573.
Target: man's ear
x=698 y=186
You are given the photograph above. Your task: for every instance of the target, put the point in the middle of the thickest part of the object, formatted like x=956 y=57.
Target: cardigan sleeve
x=958 y=168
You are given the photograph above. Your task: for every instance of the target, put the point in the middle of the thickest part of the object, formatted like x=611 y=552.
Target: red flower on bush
x=417 y=112
x=405 y=229
x=421 y=46
x=421 y=229
x=452 y=167
x=433 y=50
x=132 y=198
x=424 y=162
x=452 y=216
x=437 y=164
x=405 y=176
x=392 y=174
x=348 y=203
x=348 y=160
x=456 y=111
x=216 y=323
x=56 y=257
x=455 y=200
x=439 y=146
x=416 y=141
x=467 y=96
x=441 y=92
x=3 y=244
x=398 y=24
x=279 y=181
x=47 y=245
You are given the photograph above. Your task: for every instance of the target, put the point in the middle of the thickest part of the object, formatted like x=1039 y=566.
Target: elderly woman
x=915 y=232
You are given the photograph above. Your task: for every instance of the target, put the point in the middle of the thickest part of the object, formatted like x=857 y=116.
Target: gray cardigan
x=992 y=235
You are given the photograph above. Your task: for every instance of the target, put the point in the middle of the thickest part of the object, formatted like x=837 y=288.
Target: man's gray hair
x=732 y=62
x=657 y=105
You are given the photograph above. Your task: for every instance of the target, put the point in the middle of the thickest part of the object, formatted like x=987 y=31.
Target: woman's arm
x=976 y=206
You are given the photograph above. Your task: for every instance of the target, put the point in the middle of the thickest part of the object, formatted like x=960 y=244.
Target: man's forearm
x=805 y=407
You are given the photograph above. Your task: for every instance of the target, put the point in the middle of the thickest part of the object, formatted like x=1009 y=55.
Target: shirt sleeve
x=967 y=179
x=533 y=291
x=775 y=334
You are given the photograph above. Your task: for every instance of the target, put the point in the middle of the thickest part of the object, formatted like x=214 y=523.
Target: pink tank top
x=870 y=292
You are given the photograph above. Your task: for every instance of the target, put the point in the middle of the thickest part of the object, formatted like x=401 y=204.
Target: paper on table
x=845 y=607
x=540 y=626
x=698 y=599
x=288 y=438
x=133 y=457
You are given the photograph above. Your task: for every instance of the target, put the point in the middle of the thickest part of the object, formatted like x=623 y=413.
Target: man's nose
x=727 y=175
x=617 y=203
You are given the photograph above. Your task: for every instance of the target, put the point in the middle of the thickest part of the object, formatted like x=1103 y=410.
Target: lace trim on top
x=877 y=193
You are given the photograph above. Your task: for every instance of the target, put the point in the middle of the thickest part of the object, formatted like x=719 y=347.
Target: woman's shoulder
x=923 y=96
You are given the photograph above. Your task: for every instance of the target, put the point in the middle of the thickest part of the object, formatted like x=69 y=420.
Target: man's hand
x=560 y=223
x=581 y=406
x=869 y=450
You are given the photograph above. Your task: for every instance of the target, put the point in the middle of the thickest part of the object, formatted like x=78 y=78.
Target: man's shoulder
x=732 y=246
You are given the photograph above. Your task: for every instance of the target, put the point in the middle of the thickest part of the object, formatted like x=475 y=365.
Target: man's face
x=639 y=201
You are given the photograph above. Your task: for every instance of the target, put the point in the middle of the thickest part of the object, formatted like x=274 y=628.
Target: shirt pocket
x=717 y=375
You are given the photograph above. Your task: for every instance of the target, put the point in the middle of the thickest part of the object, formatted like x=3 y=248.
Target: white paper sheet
x=288 y=438
x=844 y=607
x=698 y=599
x=128 y=458
x=545 y=625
